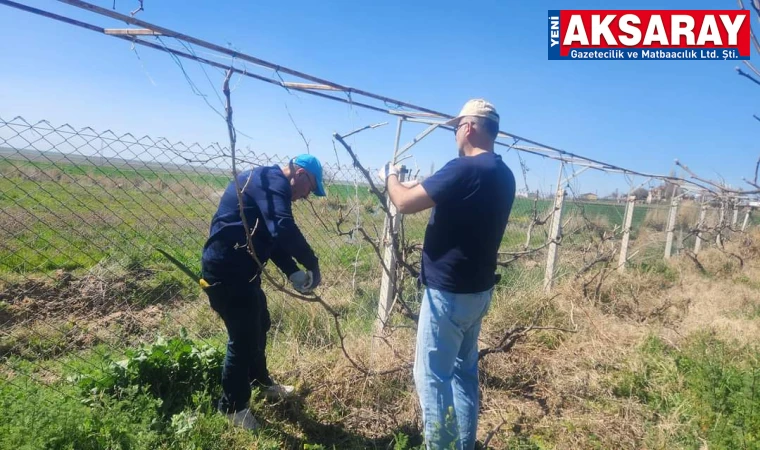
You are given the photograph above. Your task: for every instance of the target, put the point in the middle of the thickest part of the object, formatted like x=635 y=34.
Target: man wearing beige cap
x=471 y=197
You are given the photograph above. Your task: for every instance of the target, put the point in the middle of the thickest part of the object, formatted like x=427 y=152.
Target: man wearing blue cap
x=233 y=277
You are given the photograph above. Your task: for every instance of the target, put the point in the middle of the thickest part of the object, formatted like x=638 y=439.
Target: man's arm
x=408 y=200
x=283 y=261
x=275 y=204
x=288 y=237
x=450 y=183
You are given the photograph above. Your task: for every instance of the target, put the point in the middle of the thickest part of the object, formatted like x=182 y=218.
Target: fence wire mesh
x=82 y=215
x=83 y=212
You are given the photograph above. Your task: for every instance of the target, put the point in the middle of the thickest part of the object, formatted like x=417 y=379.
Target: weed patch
x=709 y=387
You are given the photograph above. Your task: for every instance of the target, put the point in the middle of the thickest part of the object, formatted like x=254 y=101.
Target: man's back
x=225 y=247
x=473 y=197
x=267 y=199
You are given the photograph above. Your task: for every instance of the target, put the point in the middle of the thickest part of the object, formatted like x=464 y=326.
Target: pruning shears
x=203 y=283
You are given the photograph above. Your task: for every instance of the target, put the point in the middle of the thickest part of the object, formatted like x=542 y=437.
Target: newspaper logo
x=648 y=34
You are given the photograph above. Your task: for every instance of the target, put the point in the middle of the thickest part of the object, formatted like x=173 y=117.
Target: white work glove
x=387 y=170
x=301 y=281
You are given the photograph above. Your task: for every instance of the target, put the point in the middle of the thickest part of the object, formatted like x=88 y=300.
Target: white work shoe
x=243 y=419
x=278 y=392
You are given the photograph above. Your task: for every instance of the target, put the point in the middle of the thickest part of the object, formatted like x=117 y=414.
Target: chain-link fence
x=84 y=212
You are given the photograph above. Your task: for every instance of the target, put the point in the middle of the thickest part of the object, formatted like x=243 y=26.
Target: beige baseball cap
x=476 y=107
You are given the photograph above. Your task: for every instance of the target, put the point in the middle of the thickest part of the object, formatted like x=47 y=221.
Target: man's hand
x=386 y=171
x=315 y=278
x=301 y=281
x=306 y=281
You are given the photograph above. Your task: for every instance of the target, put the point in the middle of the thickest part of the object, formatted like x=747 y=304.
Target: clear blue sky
x=638 y=114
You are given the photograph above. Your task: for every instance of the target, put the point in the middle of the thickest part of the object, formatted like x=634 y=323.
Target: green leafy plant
x=168 y=369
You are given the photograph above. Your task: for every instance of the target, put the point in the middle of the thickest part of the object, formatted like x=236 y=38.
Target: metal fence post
x=555 y=233
x=671 y=226
x=626 y=233
x=388 y=280
x=700 y=224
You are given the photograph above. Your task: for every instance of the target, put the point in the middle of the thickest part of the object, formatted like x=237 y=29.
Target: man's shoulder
x=272 y=172
x=262 y=176
x=495 y=162
x=484 y=165
x=450 y=173
x=458 y=165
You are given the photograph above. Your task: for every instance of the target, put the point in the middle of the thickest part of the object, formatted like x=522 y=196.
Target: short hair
x=487 y=126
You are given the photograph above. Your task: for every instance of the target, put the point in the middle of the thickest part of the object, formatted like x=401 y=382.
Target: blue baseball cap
x=314 y=167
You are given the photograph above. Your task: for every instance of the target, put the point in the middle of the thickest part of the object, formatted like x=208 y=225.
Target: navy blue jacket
x=267 y=199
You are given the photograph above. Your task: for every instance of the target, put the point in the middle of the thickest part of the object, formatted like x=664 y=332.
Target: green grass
x=659 y=267
x=158 y=397
x=744 y=279
x=612 y=213
x=86 y=214
x=90 y=171
x=344 y=192
x=69 y=216
x=67 y=226
x=709 y=387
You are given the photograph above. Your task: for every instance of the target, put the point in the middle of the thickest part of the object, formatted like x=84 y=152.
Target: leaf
x=183 y=422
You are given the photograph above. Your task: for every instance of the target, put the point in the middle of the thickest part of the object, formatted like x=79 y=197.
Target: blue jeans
x=446 y=366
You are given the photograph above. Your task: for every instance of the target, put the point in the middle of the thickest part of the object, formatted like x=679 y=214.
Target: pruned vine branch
x=518 y=332
x=721 y=188
x=367 y=176
x=536 y=220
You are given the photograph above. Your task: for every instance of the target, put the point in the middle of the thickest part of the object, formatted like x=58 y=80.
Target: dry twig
x=493 y=432
x=517 y=332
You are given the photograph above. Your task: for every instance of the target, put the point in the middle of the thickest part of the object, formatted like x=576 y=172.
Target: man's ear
x=470 y=129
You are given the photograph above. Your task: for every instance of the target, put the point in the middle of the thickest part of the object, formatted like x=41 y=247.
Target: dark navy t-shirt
x=473 y=197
